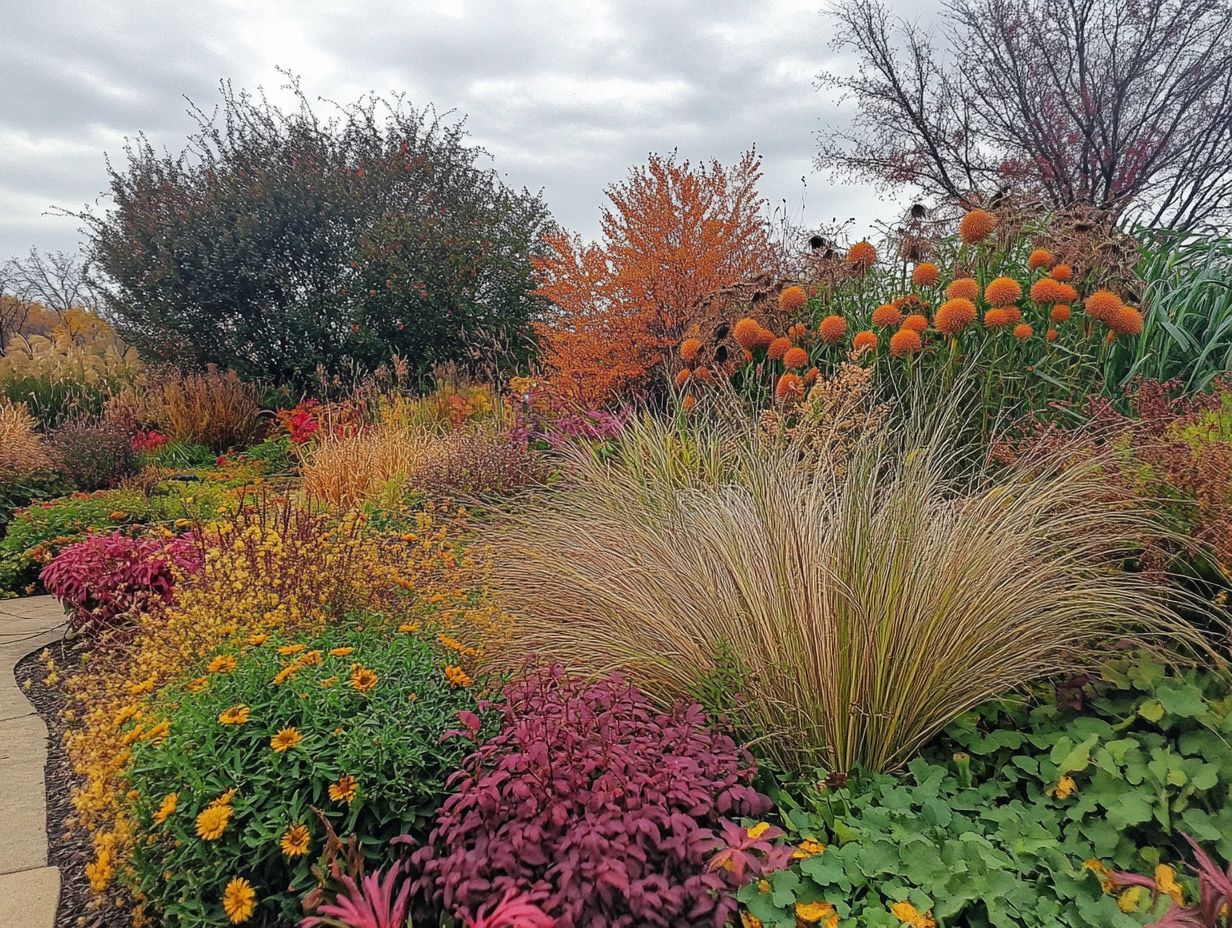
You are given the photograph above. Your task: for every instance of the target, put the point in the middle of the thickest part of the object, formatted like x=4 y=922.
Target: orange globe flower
x=702 y=375
x=976 y=226
x=1051 y=335
x=1022 y=331
x=682 y=376
x=798 y=332
x=904 y=342
x=690 y=348
x=1067 y=293
x=751 y=334
x=916 y=322
x=789 y=387
x=1060 y=313
x=864 y=341
x=1128 y=321
x=1062 y=272
x=779 y=347
x=1012 y=314
x=832 y=329
x=925 y=274
x=862 y=255
x=1103 y=305
x=795 y=357
x=1003 y=290
x=688 y=403
x=810 y=376
x=996 y=318
x=792 y=298
x=886 y=316
x=963 y=288
x=954 y=316
x=1040 y=257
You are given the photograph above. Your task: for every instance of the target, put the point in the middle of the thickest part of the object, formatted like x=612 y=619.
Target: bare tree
x=1123 y=105
x=57 y=279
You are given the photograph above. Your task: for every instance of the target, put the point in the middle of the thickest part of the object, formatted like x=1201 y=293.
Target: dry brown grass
x=345 y=470
x=212 y=408
x=22 y=449
x=867 y=604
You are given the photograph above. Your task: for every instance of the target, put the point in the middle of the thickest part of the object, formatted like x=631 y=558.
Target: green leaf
x=1184 y=700
x=1152 y=710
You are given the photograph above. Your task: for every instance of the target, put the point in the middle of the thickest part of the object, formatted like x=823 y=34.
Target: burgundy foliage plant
x=597 y=806
x=108 y=577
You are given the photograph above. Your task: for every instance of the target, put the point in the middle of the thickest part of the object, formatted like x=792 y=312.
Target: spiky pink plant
x=514 y=910
x=375 y=902
x=1213 y=908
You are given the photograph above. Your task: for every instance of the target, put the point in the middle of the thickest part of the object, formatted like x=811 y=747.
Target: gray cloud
x=566 y=95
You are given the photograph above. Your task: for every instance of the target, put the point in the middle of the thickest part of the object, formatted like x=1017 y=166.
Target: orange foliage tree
x=672 y=233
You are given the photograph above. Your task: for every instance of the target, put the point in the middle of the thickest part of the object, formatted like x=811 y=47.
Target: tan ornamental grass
x=867 y=601
x=22 y=449
x=343 y=471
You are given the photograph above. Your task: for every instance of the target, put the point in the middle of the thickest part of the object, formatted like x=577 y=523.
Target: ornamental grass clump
x=600 y=807
x=347 y=469
x=868 y=598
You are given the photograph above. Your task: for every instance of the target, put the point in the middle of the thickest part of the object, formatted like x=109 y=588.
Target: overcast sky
x=565 y=95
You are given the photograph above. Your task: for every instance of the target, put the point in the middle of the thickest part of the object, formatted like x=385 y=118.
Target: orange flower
x=236 y=715
x=702 y=374
x=1067 y=293
x=296 y=841
x=886 y=316
x=689 y=350
x=1022 y=331
x=798 y=332
x=682 y=377
x=792 y=298
x=1103 y=305
x=1127 y=321
x=810 y=376
x=976 y=226
x=790 y=386
x=832 y=329
x=917 y=322
x=1002 y=290
x=1040 y=257
x=292 y=648
x=688 y=403
x=864 y=341
x=954 y=316
x=1051 y=335
x=778 y=348
x=925 y=275
x=1012 y=314
x=1047 y=290
x=996 y=318
x=862 y=255
x=223 y=663
x=457 y=676
x=963 y=288
x=344 y=790
x=1060 y=313
x=286 y=739
x=795 y=357
x=362 y=679
x=905 y=341
x=1062 y=272
x=750 y=334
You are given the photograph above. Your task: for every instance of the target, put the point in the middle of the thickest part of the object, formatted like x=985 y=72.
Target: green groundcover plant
x=1018 y=814
x=344 y=729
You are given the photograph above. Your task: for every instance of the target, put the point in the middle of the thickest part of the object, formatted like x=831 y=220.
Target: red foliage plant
x=674 y=233
x=599 y=807
x=108 y=577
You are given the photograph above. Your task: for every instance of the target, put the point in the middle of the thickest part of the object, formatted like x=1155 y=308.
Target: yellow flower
x=239 y=900
x=168 y=806
x=909 y=915
x=1105 y=881
x=236 y=715
x=1064 y=789
x=749 y=920
x=408 y=628
x=213 y=822
x=197 y=684
x=344 y=790
x=286 y=739
x=807 y=848
x=286 y=674
x=1128 y=901
x=362 y=678
x=758 y=830
x=257 y=639
x=340 y=652
x=457 y=676
x=1165 y=879
x=145 y=686
x=329 y=681
x=292 y=648
x=296 y=841
x=223 y=663
x=812 y=913
x=763 y=886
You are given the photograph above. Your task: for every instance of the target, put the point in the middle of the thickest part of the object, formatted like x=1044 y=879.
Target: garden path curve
x=29 y=888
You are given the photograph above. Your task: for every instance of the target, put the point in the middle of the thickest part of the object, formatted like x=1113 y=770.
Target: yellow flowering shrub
x=276 y=569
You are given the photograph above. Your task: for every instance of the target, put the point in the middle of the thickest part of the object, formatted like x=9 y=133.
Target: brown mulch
x=66 y=850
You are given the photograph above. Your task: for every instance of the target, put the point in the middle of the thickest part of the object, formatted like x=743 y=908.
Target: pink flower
x=515 y=910
x=372 y=903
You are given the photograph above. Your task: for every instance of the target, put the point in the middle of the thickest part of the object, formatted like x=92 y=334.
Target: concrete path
x=29 y=889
